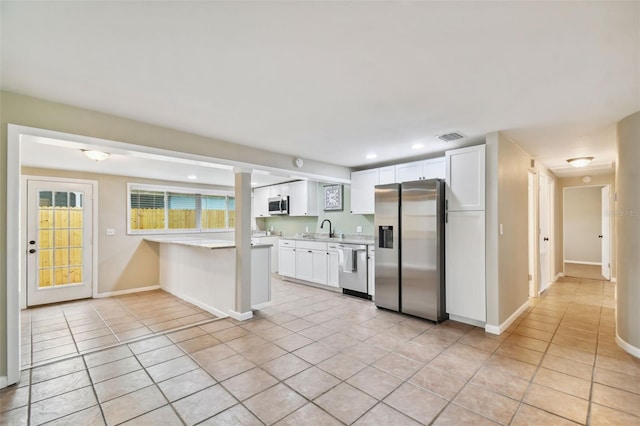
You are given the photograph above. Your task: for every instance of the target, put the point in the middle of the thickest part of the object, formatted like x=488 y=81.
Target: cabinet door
x=287 y=261
x=434 y=168
x=333 y=271
x=319 y=266
x=304 y=264
x=465 y=265
x=466 y=178
x=409 y=171
x=278 y=190
x=371 y=266
x=261 y=202
x=303 y=198
x=386 y=175
x=363 y=184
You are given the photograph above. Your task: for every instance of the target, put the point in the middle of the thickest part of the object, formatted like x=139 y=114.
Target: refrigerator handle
x=446 y=204
x=446 y=217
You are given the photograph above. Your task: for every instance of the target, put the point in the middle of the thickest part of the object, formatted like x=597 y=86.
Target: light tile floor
x=319 y=358
x=63 y=330
x=578 y=270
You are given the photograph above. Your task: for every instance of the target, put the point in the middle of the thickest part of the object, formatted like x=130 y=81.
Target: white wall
x=582 y=224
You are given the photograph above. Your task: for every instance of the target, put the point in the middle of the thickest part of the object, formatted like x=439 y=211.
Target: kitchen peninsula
x=203 y=272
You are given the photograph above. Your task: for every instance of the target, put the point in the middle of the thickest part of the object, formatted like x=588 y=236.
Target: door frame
x=533 y=232
x=611 y=236
x=25 y=222
x=550 y=213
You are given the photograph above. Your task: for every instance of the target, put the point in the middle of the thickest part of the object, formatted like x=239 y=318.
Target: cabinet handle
x=309 y=251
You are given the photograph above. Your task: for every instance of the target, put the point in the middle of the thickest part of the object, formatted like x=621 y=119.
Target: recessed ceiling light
x=371 y=156
x=417 y=145
x=192 y=177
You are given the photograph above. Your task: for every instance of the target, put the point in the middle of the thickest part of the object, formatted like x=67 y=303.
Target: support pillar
x=243 y=244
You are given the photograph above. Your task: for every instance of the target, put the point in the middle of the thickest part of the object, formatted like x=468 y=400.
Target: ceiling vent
x=450 y=137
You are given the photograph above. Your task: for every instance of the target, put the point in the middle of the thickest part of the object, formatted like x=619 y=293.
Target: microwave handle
x=281 y=201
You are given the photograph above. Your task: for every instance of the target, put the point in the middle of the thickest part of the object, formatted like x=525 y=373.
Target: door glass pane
x=60 y=232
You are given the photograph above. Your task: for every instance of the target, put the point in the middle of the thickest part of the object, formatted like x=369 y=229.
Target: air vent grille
x=450 y=137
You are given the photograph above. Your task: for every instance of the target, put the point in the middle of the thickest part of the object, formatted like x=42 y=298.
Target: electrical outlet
x=111 y=232
x=358 y=229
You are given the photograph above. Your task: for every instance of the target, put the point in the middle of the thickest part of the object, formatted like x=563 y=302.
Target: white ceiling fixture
x=96 y=155
x=554 y=76
x=450 y=136
x=192 y=177
x=417 y=146
x=579 y=162
x=371 y=156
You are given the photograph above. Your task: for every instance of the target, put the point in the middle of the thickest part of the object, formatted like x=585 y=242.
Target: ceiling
x=335 y=81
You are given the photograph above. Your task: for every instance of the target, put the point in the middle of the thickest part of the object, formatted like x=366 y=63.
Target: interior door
x=544 y=243
x=59 y=241
x=605 y=233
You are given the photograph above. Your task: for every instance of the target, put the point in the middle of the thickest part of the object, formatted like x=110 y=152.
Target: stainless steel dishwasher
x=353 y=269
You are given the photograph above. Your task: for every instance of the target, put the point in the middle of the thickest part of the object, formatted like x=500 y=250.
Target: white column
x=243 y=244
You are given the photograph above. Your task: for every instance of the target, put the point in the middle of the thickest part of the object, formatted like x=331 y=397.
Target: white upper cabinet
x=261 y=202
x=303 y=198
x=363 y=191
x=466 y=178
x=279 y=190
x=421 y=170
x=386 y=175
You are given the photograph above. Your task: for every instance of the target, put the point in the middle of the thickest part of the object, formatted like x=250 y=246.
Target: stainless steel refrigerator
x=409 y=232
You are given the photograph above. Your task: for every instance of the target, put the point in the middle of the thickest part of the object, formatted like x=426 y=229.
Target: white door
x=544 y=232
x=408 y=172
x=59 y=241
x=363 y=184
x=532 y=234
x=605 y=233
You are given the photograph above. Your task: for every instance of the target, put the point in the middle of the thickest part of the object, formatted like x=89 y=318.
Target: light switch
x=501 y=230
x=358 y=228
x=111 y=232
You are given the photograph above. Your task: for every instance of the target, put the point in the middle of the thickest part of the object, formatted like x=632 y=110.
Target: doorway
x=587 y=232
x=546 y=234
x=59 y=241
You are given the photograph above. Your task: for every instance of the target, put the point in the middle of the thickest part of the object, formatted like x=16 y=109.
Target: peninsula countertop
x=200 y=242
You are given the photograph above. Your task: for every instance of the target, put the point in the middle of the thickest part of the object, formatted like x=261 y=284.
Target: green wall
x=342 y=220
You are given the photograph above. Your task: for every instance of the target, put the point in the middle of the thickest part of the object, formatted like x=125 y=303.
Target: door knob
x=32 y=251
x=599 y=236
x=546 y=239
x=32 y=242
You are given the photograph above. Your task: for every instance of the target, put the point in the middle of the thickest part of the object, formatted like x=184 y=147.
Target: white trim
x=240 y=316
x=467 y=320
x=614 y=279
x=579 y=262
x=129 y=291
x=499 y=329
x=218 y=313
x=14 y=259
x=627 y=347
x=4 y=382
x=556 y=278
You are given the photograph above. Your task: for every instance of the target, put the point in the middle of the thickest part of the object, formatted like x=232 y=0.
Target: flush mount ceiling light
x=417 y=145
x=371 y=156
x=579 y=161
x=192 y=177
x=96 y=155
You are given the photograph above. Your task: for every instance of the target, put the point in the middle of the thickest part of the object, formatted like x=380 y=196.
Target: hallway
x=318 y=357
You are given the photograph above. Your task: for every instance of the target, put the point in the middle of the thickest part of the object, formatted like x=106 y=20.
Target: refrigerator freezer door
x=386 y=225
x=421 y=241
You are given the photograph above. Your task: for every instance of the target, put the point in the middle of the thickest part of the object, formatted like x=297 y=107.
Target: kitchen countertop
x=324 y=238
x=204 y=243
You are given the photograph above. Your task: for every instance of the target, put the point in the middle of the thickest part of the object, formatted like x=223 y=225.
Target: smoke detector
x=450 y=137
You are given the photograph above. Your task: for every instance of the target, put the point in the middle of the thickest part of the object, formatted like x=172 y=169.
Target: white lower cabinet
x=333 y=263
x=465 y=265
x=371 y=266
x=311 y=261
x=287 y=258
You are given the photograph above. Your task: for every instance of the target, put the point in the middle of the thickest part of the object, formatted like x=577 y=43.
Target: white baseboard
x=466 y=320
x=579 y=262
x=499 y=329
x=210 y=309
x=4 y=382
x=557 y=277
x=627 y=347
x=240 y=316
x=130 y=291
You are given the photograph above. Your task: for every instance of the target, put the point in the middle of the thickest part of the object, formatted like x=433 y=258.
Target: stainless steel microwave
x=279 y=205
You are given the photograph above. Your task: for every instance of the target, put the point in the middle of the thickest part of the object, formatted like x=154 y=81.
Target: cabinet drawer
x=311 y=245
x=332 y=247
x=286 y=243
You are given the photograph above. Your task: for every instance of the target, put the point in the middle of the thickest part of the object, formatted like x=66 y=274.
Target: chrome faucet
x=330 y=231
